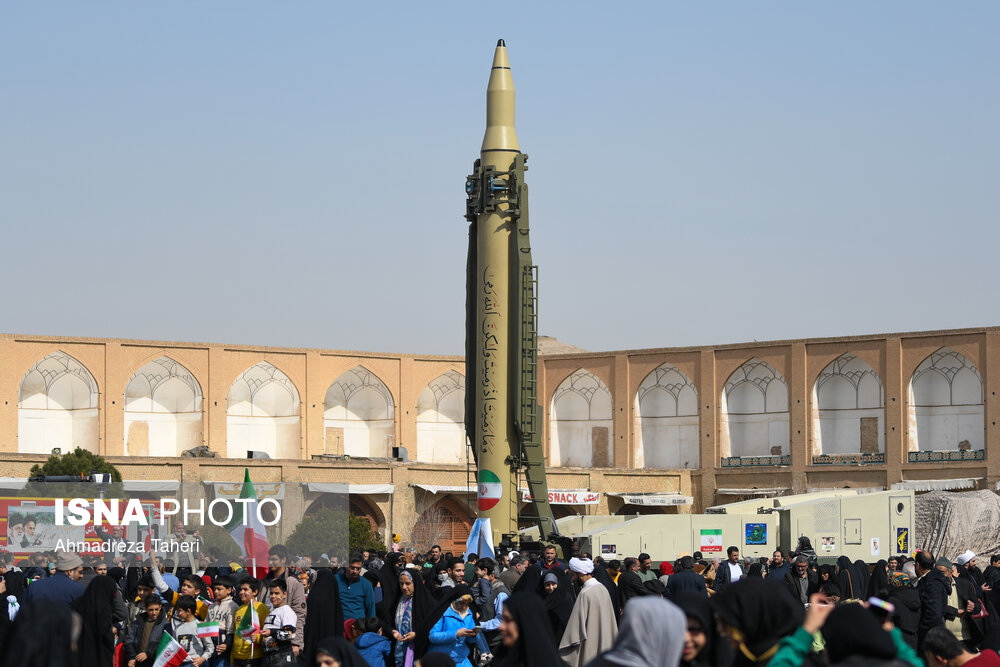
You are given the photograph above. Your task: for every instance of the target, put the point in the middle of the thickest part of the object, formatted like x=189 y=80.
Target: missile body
x=501 y=333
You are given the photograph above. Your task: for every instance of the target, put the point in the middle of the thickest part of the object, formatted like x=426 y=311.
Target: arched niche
x=754 y=414
x=58 y=407
x=163 y=410
x=946 y=410
x=666 y=414
x=441 y=420
x=262 y=414
x=358 y=415
x=848 y=410
x=581 y=426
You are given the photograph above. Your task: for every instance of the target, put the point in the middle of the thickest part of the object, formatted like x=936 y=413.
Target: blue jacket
x=57 y=588
x=443 y=640
x=373 y=648
x=357 y=598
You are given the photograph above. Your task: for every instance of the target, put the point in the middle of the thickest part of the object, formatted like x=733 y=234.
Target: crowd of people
x=404 y=609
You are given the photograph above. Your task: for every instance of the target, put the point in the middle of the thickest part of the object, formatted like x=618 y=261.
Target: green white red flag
x=169 y=653
x=208 y=629
x=250 y=622
x=246 y=528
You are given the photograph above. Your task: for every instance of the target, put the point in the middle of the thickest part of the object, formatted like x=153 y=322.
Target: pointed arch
x=754 y=414
x=58 y=406
x=262 y=414
x=581 y=424
x=848 y=410
x=358 y=415
x=666 y=415
x=163 y=410
x=946 y=408
x=441 y=420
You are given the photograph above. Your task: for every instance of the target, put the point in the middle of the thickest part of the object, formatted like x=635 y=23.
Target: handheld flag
x=250 y=623
x=246 y=528
x=209 y=629
x=480 y=539
x=169 y=653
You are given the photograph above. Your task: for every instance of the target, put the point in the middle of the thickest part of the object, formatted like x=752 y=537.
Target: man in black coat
x=730 y=571
x=686 y=579
x=629 y=582
x=933 y=589
x=801 y=581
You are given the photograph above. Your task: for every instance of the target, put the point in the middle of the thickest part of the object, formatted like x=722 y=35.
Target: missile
x=501 y=411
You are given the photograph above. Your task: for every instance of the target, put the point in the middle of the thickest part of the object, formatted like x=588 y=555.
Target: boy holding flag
x=248 y=648
x=223 y=615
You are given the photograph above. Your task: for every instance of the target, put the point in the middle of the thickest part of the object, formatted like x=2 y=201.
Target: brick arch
x=363 y=507
x=177 y=355
x=445 y=523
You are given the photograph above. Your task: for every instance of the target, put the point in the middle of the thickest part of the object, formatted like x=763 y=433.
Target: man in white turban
x=592 y=627
x=965 y=558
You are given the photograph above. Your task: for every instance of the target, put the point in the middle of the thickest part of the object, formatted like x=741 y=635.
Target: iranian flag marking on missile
x=169 y=653
x=490 y=489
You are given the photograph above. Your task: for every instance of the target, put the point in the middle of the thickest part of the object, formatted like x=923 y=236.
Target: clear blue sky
x=292 y=173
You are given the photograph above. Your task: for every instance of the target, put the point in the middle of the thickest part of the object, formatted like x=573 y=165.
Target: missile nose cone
x=500 y=42
x=500 y=134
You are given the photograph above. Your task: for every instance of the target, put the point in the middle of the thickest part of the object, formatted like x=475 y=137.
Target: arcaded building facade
x=672 y=429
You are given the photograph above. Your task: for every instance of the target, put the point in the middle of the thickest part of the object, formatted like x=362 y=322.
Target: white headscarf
x=652 y=633
x=581 y=565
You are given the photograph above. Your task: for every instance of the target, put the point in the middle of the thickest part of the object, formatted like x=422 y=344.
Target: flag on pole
x=480 y=540
x=209 y=629
x=250 y=623
x=169 y=653
x=249 y=534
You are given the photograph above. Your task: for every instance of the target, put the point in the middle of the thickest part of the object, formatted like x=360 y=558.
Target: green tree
x=324 y=533
x=76 y=463
x=319 y=533
x=362 y=535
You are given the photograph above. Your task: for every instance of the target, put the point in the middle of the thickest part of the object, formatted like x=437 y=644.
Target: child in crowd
x=147 y=628
x=223 y=612
x=247 y=642
x=371 y=644
x=184 y=628
x=279 y=628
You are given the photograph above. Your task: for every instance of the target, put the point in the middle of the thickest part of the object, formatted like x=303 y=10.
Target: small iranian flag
x=490 y=489
x=711 y=540
x=249 y=534
x=169 y=653
x=250 y=623
x=209 y=629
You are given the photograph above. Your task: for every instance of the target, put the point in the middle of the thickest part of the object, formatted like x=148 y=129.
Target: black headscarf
x=437 y=659
x=390 y=580
x=831 y=587
x=861 y=568
x=423 y=629
x=340 y=650
x=696 y=607
x=847 y=580
x=756 y=570
x=762 y=611
x=324 y=617
x=878 y=582
x=96 y=644
x=852 y=630
x=40 y=636
x=559 y=604
x=535 y=646
x=132 y=576
x=16 y=582
x=601 y=574
x=421 y=606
